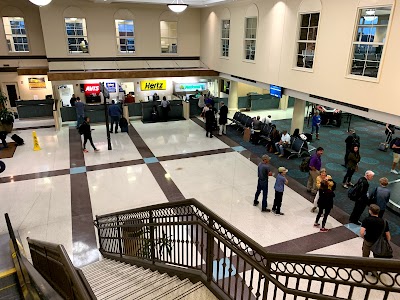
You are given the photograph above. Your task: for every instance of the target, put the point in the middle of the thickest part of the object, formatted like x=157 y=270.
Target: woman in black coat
x=223 y=118
x=325 y=203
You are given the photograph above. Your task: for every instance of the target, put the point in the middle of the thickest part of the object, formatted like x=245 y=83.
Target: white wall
x=276 y=48
x=25 y=92
x=101 y=28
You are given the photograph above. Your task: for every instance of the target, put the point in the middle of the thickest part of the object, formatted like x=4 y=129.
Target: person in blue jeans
x=315 y=124
x=80 y=112
x=262 y=184
x=115 y=113
x=279 y=188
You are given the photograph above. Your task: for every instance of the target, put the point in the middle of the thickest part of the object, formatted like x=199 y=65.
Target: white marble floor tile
x=53 y=156
x=351 y=247
x=176 y=138
x=226 y=184
x=35 y=122
x=122 y=148
x=123 y=188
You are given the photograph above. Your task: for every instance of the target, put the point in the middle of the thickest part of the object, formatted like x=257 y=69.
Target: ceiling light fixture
x=370 y=12
x=177 y=6
x=40 y=2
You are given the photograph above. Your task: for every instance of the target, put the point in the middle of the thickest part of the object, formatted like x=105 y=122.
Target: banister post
x=98 y=232
x=209 y=250
x=152 y=242
x=119 y=237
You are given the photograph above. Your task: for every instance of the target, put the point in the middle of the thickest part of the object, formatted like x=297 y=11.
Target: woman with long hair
x=352 y=166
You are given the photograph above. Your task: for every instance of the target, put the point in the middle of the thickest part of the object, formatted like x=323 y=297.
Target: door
x=12 y=94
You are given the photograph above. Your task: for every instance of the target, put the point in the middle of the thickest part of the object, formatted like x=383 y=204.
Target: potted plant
x=6 y=116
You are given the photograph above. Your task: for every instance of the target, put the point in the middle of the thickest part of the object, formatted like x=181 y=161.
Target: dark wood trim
x=60 y=76
x=121 y=58
x=8 y=57
x=8 y=69
x=33 y=71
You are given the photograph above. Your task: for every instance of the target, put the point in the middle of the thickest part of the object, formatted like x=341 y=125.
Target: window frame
x=246 y=39
x=224 y=39
x=353 y=43
x=169 y=38
x=16 y=35
x=119 y=37
x=299 y=40
x=84 y=37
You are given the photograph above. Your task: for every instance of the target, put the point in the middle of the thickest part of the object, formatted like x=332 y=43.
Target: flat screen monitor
x=275 y=91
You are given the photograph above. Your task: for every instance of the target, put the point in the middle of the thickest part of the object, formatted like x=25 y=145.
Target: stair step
x=106 y=271
x=100 y=267
x=144 y=288
x=173 y=291
x=159 y=289
x=197 y=292
x=116 y=275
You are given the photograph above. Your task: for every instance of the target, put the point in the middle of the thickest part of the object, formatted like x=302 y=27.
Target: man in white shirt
x=283 y=143
x=267 y=120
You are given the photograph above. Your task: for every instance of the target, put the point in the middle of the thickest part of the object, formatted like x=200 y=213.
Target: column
x=284 y=102
x=233 y=96
x=299 y=110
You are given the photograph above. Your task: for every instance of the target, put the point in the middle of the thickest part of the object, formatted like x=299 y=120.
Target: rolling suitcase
x=17 y=139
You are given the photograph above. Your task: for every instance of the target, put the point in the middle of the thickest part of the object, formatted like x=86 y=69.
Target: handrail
x=189 y=229
x=45 y=257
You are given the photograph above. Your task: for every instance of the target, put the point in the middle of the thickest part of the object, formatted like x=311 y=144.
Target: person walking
x=361 y=200
x=381 y=195
x=3 y=136
x=210 y=118
x=352 y=166
x=279 y=187
x=322 y=177
x=315 y=167
x=315 y=124
x=165 y=108
x=115 y=112
x=72 y=100
x=352 y=140
x=86 y=131
x=325 y=202
x=262 y=184
x=80 y=112
x=371 y=229
x=223 y=118
x=396 y=155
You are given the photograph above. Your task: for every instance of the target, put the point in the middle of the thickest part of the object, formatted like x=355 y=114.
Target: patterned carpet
x=332 y=140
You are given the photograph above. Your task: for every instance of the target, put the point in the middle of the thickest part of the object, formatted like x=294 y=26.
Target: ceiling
x=192 y=3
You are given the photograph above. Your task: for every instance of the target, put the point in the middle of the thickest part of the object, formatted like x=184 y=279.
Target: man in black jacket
x=210 y=117
x=361 y=201
x=352 y=140
x=223 y=118
x=87 y=134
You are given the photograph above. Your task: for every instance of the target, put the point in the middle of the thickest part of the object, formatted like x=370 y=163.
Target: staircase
x=111 y=280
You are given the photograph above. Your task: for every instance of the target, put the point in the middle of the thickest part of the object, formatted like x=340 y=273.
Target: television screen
x=275 y=91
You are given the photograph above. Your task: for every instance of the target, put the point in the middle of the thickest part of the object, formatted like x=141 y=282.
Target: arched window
x=169 y=32
x=125 y=31
x=250 y=32
x=75 y=28
x=225 y=32
x=15 y=30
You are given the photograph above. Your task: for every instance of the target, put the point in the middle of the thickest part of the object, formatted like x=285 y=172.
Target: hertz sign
x=150 y=85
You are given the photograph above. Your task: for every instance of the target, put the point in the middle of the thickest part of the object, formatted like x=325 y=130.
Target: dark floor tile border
x=115 y=165
x=35 y=127
x=75 y=149
x=139 y=143
x=33 y=176
x=195 y=154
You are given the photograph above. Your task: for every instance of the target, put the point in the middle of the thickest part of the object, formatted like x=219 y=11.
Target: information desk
x=35 y=108
x=176 y=112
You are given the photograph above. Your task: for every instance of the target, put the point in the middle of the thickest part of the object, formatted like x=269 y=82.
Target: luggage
x=305 y=164
x=309 y=137
x=123 y=123
x=17 y=139
x=247 y=134
x=383 y=147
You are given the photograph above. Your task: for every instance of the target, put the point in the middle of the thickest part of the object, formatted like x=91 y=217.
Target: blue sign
x=111 y=87
x=275 y=91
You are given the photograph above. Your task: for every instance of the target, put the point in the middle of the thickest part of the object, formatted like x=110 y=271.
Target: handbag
x=381 y=248
x=383 y=147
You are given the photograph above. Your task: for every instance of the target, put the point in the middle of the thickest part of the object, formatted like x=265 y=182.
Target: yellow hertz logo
x=149 y=85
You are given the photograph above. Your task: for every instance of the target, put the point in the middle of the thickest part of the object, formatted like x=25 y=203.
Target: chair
x=296 y=148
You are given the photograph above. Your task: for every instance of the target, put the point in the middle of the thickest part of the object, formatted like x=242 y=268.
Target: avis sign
x=150 y=85
x=92 y=88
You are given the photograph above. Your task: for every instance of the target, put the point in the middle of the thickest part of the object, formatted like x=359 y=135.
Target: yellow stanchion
x=36 y=146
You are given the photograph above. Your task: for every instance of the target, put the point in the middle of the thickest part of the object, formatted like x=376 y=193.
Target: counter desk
x=35 y=108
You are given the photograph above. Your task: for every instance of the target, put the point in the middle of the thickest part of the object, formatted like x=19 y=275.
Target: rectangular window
x=250 y=38
x=225 y=37
x=76 y=35
x=307 y=40
x=369 y=40
x=169 y=37
x=14 y=29
x=125 y=36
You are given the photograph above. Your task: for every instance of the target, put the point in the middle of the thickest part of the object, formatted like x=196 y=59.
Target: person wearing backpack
x=361 y=198
x=352 y=140
x=315 y=166
x=395 y=146
x=381 y=195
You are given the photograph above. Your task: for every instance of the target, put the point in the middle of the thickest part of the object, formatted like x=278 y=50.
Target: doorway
x=12 y=93
x=66 y=91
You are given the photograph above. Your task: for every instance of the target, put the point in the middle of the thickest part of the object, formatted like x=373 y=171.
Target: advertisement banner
x=37 y=83
x=150 y=85
x=111 y=87
x=91 y=88
x=190 y=87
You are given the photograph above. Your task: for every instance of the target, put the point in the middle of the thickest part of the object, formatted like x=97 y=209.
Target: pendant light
x=40 y=2
x=177 y=6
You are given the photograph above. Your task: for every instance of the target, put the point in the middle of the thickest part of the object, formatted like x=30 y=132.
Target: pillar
x=299 y=110
x=233 y=96
x=284 y=102
x=125 y=112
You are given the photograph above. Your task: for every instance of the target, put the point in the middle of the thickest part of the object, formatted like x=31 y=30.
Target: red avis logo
x=92 y=88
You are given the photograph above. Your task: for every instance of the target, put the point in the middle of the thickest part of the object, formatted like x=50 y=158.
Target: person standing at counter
x=115 y=113
x=223 y=118
x=165 y=108
x=73 y=100
x=80 y=112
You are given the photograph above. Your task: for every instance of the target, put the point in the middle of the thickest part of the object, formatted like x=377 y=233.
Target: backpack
x=305 y=164
x=356 y=140
x=354 y=192
x=392 y=142
x=80 y=129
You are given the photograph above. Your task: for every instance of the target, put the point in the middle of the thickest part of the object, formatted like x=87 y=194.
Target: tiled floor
x=155 y=163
